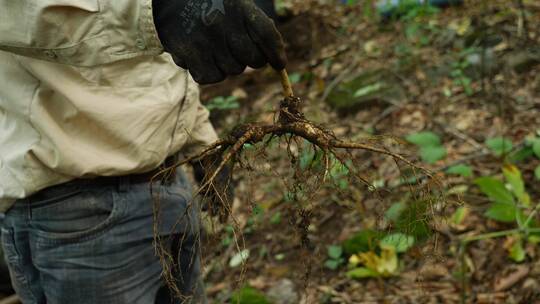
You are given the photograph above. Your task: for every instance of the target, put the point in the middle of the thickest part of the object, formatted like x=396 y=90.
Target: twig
x=463 y=160
x=388 y=111
x=334 y=83
x=286 y=83
x=523 y=27
x=359 y=146
x=455 y=132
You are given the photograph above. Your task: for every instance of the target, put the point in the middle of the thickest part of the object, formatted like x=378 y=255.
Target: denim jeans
x=89 y=242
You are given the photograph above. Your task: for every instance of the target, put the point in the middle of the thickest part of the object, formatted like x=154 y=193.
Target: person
x=95 y=98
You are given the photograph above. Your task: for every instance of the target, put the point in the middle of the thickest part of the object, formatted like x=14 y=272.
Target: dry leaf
x=510 y=280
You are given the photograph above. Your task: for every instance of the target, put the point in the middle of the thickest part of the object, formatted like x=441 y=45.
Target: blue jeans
x=92 y=242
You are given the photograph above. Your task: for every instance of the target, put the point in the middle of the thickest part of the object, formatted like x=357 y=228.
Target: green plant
x=417 y=29
x=276 y=218
x=460 y=78
x=500 y=146
x=429 y=143
x=223 y=103
x=463 y=170
x=229 y=236
x=374 y=253
x=362 y=241
x=458 y=71
x=382 y=262
x=459 y=215
x=295 y=77
x=257 y=215
x=510 y=204
x=335 y=257
x=248 y=295
x=534 y=144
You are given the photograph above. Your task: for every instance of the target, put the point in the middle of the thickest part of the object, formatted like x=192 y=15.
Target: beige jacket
x=85 y=90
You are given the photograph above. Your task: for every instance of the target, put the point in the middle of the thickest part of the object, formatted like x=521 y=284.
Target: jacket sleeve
x=78 y=32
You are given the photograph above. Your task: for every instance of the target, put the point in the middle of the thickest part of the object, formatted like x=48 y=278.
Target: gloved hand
x=217 y=38
x=221 y=192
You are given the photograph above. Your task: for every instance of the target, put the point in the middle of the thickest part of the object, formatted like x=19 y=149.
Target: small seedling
x=510 y=204
x=462 y=170
x=335 y=257
x=223 y=103
x=384 y=261
x=249 y=295
x=429 y=143
x=500 y=146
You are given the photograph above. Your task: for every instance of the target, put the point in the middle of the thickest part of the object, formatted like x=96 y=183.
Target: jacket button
x=140 y=44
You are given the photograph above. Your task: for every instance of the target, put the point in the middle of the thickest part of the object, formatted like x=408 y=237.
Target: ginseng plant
x=291 y=125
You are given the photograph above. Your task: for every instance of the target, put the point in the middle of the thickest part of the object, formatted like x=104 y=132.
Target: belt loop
x=124 y=183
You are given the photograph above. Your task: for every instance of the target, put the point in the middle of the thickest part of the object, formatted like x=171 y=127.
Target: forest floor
x=459 y=89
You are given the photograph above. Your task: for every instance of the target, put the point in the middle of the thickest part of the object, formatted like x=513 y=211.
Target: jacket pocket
x=52 y=30
x=76 y=217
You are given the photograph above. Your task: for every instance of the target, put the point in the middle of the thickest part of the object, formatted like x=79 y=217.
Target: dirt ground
x=462 y=73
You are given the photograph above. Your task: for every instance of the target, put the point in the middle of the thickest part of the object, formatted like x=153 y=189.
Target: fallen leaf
x=386 y=264
x=510 y=280
x=239 y=258
x=433 y=271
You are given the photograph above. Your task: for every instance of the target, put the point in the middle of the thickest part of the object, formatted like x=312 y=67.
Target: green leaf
x=537 y=173
x=333 y=264
x=368 y=89
x=521 y=155
x=310 y=157
x=257 y=210
x=495 y=190
x=223 y=103
x=362 y=241
x=536 y=147
x=458 y=189
x=338 y=170
x=513 y=176
x=276 y=218
x=295 y=77
x=459 y=215
x=463 y=170
x=432 y=154
x=335 y=252
x=502 y=212
x=534 y=239
x=424 y=139
x=401 y=242
x=499 y=145
x=393 y=213
x=413 y=220
x=516 y=252
x=362 y=273
x=249 y=295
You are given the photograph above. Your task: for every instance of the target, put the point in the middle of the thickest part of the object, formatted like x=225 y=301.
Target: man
x=91 y=106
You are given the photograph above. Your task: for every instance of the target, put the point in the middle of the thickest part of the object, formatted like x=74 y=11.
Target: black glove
x=216 y=38
x=221 y=192
x=268 y=8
